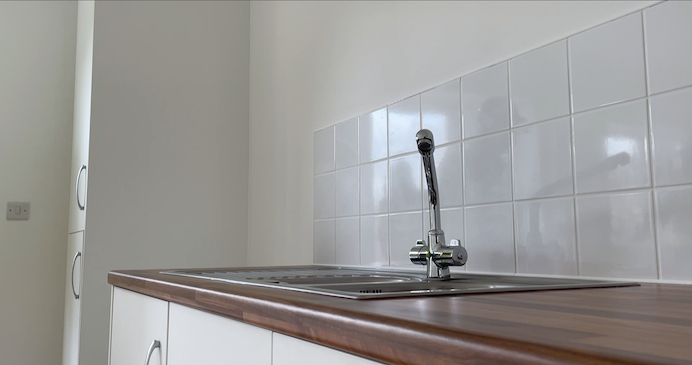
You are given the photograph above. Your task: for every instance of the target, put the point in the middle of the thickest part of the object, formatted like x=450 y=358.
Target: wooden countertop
x=651 y=324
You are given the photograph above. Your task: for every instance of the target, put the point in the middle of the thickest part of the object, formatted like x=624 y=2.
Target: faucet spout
x=436 y=255
x=426 y=147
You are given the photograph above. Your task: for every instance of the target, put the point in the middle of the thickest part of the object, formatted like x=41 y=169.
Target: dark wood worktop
x=650 y=324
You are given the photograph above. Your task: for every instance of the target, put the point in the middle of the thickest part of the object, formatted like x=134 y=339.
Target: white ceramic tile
x=404 y=230
x=611 y=150
x=323 y=197
x=669 y=45
x=607 y=63
x=373 y=188
x=671 y=121
x=348 y=241
x=538 y=84
x=546 y=241
x=615 y=236
x=490 y=238
x=347 y=195
x=542 y=160
x=372 y=131
x=405 y=183
x=485 y=101
x=323 y=151
x=323 y=242
x=449 y=177
x=675 y=232
x=347 y=143
x=486 y=170
x=440 y=109
x=374 y=240
x=404 y=123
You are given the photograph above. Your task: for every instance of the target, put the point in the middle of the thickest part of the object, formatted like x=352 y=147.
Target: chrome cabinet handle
x=154 y=345
x=79 y=176
x=74 y=261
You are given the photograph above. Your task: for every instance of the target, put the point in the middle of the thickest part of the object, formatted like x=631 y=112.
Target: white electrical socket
x=18 y=211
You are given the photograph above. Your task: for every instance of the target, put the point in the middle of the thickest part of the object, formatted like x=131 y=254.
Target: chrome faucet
x=436 y=255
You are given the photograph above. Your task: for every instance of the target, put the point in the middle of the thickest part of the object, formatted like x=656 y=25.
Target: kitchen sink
x=367 y=283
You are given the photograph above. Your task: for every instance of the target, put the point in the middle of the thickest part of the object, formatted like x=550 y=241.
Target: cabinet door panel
x=196 y=337
x=292 y=351
x=73 y=305
x=136 y=321
x=82 y=113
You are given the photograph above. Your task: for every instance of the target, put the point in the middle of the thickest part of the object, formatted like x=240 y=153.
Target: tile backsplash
x=574 y=159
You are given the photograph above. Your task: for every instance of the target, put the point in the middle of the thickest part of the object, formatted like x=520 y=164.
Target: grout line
x=653 y=200
x=647 y=84
x=671 y=91
x=511 y=168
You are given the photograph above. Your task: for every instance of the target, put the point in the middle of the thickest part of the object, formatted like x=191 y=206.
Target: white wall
x=169 y=145
x=315 y=64
x=37 y=43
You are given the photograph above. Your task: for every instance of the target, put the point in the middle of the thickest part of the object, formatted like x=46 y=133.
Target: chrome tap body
x=436 y=255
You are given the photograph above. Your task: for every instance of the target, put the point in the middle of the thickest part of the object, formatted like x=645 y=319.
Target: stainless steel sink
x=365 y=283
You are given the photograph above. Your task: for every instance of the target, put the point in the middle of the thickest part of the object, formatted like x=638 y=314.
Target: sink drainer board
x=365 y=283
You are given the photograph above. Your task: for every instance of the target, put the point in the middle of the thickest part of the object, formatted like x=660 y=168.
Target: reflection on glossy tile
x=404 y=230
x=490 y=238
x=323 y=199
x=668 y=44
x=372 y=129
x=323 y=242
x=374 y=240
x=486 y=170
x=441 y=110
x=485 y=101
x=373 y=188
x=607 y=63
x=538 y=82
x=546 y=237
x=348 y=241
x=675 y=232
x=542 y=160
x=404 y=123
x=347 y=143
x=347 y=196
x=323 y=151
x=611 y=148
x=405 y=183
x=615 y=236
x=671 y=120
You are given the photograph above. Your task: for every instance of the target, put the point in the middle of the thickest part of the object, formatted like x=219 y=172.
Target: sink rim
x=386 y=278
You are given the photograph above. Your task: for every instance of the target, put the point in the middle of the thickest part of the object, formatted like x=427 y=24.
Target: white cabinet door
x=196 y=337
x=82 y=115
x=73 y=304
x=137 y=321
x=292 y=351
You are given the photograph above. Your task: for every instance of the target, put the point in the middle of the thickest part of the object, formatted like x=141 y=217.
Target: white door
x=73 y=303
x=292 y=351
x=139 y=329
x=82 y=115
x=196 y=337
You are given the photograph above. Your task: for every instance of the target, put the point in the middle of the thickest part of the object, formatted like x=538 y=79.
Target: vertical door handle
x=74 y=261
x=79 y=176
x=154 y=345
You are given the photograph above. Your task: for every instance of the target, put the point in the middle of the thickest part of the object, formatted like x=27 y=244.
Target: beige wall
x=317 y=63
x=37 y=58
